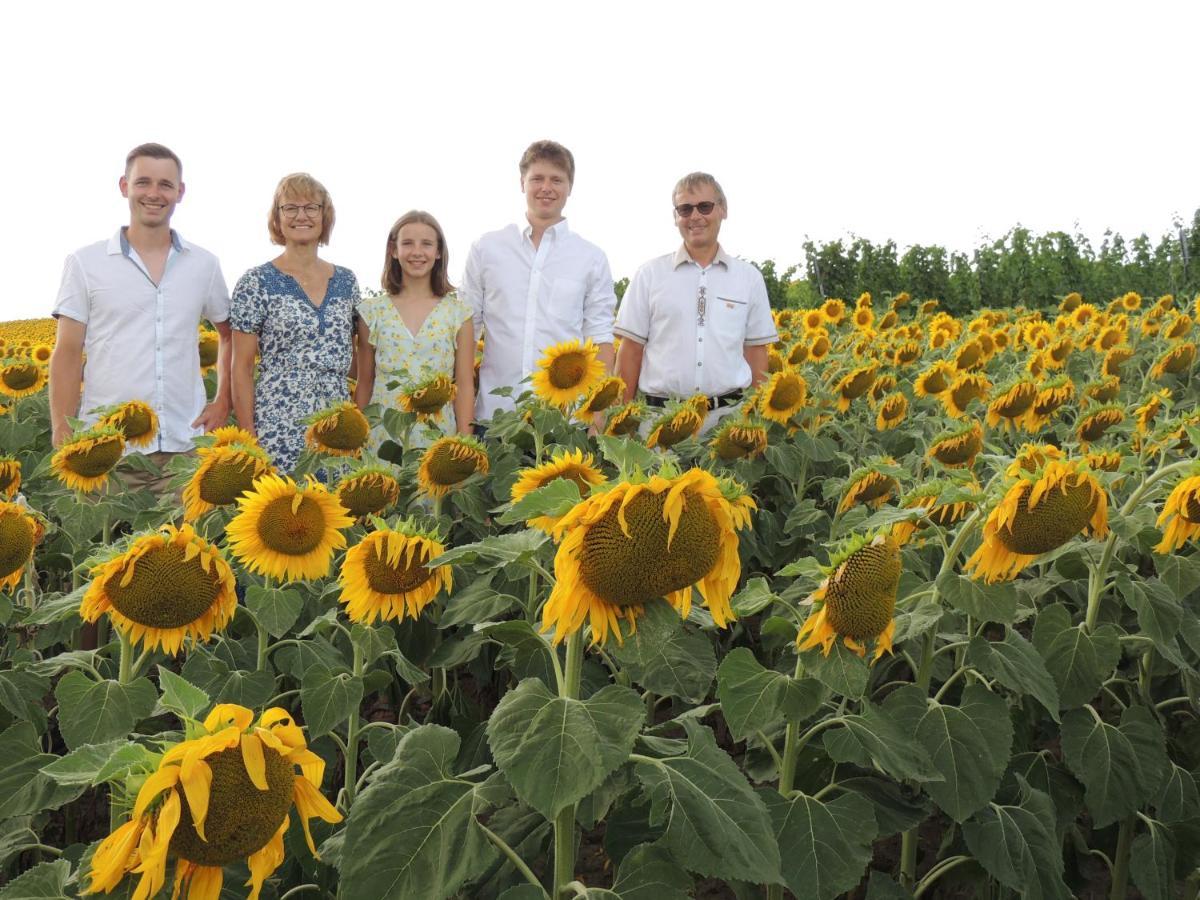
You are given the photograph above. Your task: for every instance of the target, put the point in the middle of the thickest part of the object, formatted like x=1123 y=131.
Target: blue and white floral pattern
x=305 y=352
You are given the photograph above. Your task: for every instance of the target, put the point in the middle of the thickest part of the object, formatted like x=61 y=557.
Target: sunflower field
x=920 y=618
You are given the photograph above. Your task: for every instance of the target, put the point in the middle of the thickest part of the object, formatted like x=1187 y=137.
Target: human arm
x=66 y=376
x=760 y=329
x=245 y=349
x=471 y=290
x=216 y=413
x=464 y=377
x=629 y=366
x=364 y=386
x=756 y=358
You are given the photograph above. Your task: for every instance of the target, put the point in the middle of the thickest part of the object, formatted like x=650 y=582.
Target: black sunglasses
x=683 y=210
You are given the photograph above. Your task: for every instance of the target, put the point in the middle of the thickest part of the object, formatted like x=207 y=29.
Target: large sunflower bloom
x=782 y=396
x=892 y=411
x=215 y=800
x=448 y=462
x=136 y=420
x=883 y=386
x=680 y=422
x=856 y=601
x=1175 y=361
x=169 y=586
x=571 y=465
x=631 y=543
x=1181 y=515
x=426 y=399
x=286 y=530
x=970 y=356
x=83 y=462
x=1010 y=406
x=21 y=377
x=20 y=532
x=368 y=491
x=819 y=347
x=1039 y=513
x=854 y=384
x=1178 y=327
x=223 y=474
x=10 y=476
x=964 y=390
x=797 y=356
x=869 y=485
x=384 y=576
x=341 y=430
x=567 y=372
x=958 y=448
x=603 y=395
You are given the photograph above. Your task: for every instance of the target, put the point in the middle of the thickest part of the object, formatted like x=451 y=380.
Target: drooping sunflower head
x=287 y=530
x=84 y=460
x=935 y=380
x=870 y=484
x=738 y=439
x=384 y=576
x=901 y=299
x=1114 y=358
x=884 y=385
x=339 y=430
x=1177 y=326
x=1180 y=513
x=625 y=420
x=1058 y=352
x=427 y=398
x=222 y=797
x=572 y=465
x=965 y=390
x=604 y=395
x=819 y=347
x=209 y=346
x=854 y=384
x=782 y=396
x=368 y=491
x=857 y=601
x=567 y=372
x=169 y=586
x=1039 y=513
x=1148 y=411
x=775 y=360
x=1098 y=420
x=698 y=402
x=10 y=476
x=20 y=532
x=136 y=420
x=678 y=422
x=891 y=412
x=1011 y=402
x=21 y=377
x=1032 y=457
x=1104 y=460
x=1070 y=302
x=1104 y=391
x=1175 y=361
x=448 y=462
x=928 y=307
x=797 y=355
x=958 y=447
x=224 y=472
x=633 y=542
x=970 y=356
x=864 y=301
x=947 y=501
x=907 y=353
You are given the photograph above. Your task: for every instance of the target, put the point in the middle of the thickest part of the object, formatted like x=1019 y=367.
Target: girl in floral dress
x=417 y=330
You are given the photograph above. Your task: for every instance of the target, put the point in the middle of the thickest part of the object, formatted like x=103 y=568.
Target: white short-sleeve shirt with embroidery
x=141 y=339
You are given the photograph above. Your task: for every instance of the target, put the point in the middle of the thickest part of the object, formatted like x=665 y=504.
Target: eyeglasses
x=291 y=210
x=684 y=210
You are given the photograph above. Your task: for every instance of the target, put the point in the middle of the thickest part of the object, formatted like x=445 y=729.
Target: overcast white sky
x=926 y=123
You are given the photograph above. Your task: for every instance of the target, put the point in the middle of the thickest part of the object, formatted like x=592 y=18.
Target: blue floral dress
x=304 y=352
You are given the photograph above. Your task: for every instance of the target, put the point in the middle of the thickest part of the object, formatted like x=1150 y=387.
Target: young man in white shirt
x=696 y=321
x=536 y=284
x=133 y=305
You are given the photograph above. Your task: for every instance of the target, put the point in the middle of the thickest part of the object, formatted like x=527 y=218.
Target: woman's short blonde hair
x=300 y=186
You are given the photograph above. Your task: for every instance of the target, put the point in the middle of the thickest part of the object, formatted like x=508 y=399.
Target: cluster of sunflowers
x=25 y=348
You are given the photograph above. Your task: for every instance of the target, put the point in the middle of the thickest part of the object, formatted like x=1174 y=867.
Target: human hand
x=213 y=416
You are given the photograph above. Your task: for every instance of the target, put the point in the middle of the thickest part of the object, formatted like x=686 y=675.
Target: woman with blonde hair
x=416 y=341
x=296 y=313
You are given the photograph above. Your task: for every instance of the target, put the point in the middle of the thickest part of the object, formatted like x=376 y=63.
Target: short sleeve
x=633 y=315
x=368 y=312
x=216 y=305
x=355 y=294
x=460 y=311
x=600 y=303
x=471 y=292
x=760 y=324
x=248 y=307
x=73 y=300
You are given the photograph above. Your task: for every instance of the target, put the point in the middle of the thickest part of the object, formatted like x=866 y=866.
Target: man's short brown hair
x=301 y=186
x=551 y=152
x=154 y=151
x=693 y=180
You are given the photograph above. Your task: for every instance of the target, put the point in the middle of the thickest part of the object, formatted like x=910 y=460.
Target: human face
x=699 y=232
x=153 y=188
x=304 y=227
x=416 y=250
x=546 y=188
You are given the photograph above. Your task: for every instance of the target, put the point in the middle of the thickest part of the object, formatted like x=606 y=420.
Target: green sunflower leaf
x=667 y=657
x=328 y=698
x=843 y=671
x=716 y=825
x=276 y=609
x=829 y=843
x=1079 y=662
x=753 y=697
x=93 y=712
x=553 y=499
x=649 y=873
x=82 y=765
x=181 y=696
x=1016 y=665
x=983 y=602
x=1152 y=862
x=1017 y=846
x=884 y=738
x=1159 y=613
x=555 y=751
x=752 y=599
x=1105 y=760
x=1179 y=799
x=23 y=788
x=45 y=881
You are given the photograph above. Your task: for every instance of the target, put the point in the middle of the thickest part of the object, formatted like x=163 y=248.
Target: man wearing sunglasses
x=696 y=321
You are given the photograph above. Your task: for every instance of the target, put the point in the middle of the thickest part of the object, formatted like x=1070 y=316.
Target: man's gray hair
x=694 y=180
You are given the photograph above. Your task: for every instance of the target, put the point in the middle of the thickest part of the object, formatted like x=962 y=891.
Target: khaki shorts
x=160 y=484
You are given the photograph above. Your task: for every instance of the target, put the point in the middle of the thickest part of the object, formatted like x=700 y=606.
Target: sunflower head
x=797 y=355
x=856 y=601
x=738 y=439
x=448 y=462
x=135 y=420
x=625 y=420
x=21 y=377
x=1180 y=516
x=10 y=476
x=384 y=576
x=884 y=385
x=222 y=797
x=633 y=542
x=20 y=531
x=224 y=472
x=965 y=390
x=1104 y=460
x=567 y=372
x=907 y=353
x=901 y=299
x=1104 y=391
x=1011 y=402
x=854 y=384
x=603 y=395
x=783 y=395
x=892 y=411
x=1098 y=420
x=287 y=530
x=834 y=310
x=169 y=586
x=1175 y=361
x=678 y=422
x=1148 y=411
x=1070 y=302
x=947 y=500
x=368 y=491
x=339 y=430
x=1039 y=513
x=1131 y=302
x=1114 y=358
x=958 y=447
x=41 y=354
x=870 y=485
x=927 y=307
x=819 y=347
x=427 y=398
x=209 y=345
x=775 y=360
x=970 y=356
x=1031 y=458
x=83 y=462
x=573 y=465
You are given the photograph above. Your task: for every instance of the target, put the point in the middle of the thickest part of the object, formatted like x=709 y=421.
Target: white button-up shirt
x=695 y=322
x=524 y=299
x=141 y=341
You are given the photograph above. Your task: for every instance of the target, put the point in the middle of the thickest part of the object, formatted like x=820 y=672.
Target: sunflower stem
x=352 y=735
x=125 y=660
x=938 y=871
x=564 y=822
x=518 y=863
x=793 y=743
x=1120 y=869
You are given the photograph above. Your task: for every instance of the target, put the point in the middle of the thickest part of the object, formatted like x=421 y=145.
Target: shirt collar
x=682 y=256
x=119 y=243
x=557 y=230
